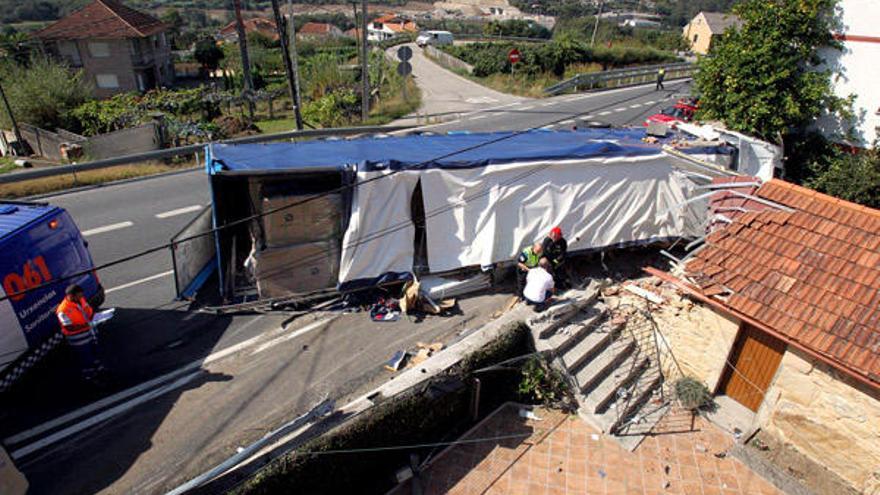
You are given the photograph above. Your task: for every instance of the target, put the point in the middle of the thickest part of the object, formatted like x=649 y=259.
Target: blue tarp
x=430 y=151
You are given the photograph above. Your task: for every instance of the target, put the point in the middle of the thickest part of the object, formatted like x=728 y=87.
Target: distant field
x=28 y=26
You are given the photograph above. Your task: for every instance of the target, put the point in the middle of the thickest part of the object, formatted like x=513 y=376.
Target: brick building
x=120 y=49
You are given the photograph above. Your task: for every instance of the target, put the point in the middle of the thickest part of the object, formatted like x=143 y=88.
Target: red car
x=682 y=111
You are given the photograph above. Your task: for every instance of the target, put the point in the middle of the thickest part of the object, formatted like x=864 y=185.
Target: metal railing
x=621 y=77
x=38 y=173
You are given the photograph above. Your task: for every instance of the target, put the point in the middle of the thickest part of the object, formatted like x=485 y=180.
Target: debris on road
x=396 y=361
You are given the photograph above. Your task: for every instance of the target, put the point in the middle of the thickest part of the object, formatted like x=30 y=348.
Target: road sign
x=513 y=55
x=404 y=53
x=404 y=68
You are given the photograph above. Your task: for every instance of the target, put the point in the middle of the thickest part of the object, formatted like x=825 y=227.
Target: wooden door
x=756 y=357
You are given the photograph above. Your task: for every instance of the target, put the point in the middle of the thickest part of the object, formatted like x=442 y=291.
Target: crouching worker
x=527 y=260
x=539 y=286
x=555 y=250
x=75 y=316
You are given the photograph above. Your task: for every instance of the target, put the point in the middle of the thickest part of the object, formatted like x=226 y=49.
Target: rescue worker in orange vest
x=75 y=316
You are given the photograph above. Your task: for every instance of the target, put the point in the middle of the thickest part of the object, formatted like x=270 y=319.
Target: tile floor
x=561 y=454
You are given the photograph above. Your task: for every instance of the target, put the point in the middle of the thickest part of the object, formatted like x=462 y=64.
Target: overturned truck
x=295 y=218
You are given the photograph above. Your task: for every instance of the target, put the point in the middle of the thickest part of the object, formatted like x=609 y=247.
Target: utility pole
x=596 y=25
x=245 y=61
x=365 y=68
x=294 y=63
x=19 y=141
x=288 y=65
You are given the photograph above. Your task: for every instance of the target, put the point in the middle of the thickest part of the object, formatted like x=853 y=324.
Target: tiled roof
x=103 y=19
x=719 y=22
x=256 y=24
x=810 y=271
x=315 y=28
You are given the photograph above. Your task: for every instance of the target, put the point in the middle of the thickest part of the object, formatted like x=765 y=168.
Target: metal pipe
x=475 y=400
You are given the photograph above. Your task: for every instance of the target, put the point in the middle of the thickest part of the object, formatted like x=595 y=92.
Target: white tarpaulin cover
x=380 y=233
x=486 y=214
x=501 y=209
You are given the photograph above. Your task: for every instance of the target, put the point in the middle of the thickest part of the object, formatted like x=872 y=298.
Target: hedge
x=491 y=58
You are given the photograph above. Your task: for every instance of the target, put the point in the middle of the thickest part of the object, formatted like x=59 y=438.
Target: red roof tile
x=812 y=273
x=103 y=19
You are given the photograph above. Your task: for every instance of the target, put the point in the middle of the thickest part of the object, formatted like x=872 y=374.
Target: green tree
x=853 y=176
x=764 y=78
x=208 y=54
x=43 y=92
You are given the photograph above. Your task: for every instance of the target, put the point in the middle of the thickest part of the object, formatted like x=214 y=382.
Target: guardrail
x=189 y=150
x=622 y=77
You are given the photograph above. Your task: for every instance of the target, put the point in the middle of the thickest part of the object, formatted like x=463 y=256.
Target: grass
x=91 y=177
x=396 y=106
x=518 y=84
x=7 y=164
x=276 y=125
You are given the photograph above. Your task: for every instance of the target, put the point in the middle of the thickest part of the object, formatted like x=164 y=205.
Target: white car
x=434 y=38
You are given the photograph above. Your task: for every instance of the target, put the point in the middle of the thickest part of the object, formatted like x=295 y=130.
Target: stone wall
x=699 y=337
x=815 y=411
x=447 y=60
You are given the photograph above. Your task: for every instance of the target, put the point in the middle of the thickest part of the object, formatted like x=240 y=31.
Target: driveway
x=446 y=95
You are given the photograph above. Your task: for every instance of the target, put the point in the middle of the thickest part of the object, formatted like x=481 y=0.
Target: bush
x=42 y=93
x=491 y=58
x=540 y=383
x=692 y=393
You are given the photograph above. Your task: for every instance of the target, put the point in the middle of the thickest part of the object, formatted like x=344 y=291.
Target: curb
x=62 y=192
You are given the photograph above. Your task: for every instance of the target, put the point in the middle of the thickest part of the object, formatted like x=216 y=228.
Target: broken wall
x=700 y=338
x=814 y=410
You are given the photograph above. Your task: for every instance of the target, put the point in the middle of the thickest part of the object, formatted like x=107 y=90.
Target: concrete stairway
x=615 y=374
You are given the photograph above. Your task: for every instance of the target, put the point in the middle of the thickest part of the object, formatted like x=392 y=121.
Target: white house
x=858 y=63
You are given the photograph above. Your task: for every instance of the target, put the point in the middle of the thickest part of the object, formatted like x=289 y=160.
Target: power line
x=336 y=190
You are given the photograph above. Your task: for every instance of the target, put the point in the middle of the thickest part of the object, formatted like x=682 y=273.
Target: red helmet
x=557 y=231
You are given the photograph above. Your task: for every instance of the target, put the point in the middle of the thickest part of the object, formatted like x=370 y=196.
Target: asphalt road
x=241 y=375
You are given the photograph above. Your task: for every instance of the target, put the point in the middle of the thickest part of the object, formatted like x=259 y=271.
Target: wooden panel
x=756 y=357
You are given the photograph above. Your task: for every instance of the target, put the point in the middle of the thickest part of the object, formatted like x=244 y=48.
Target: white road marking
x=179 y=211
x=621 y=109
x=106 y=228
x=547 y=104
x=478 y=117
x=481 y=99
x=605 y=113
x=635 y=105
x=88 y=423
x=588 y=116
x=548 y=126
x=569 y=121
x=284 y=338
x=528 y=107
x=139 y=281
x=95 y=406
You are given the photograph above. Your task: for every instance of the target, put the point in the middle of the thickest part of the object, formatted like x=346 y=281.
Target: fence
x=138 y=139
x=44 y=143
x=621 y=77
x=48 y=144
x=447 y=60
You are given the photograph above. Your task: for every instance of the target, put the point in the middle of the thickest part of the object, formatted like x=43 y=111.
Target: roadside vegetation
x=767 y=79
x=91 y=177
x=544 y=64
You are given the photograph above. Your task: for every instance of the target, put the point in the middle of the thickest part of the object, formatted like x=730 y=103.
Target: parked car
x=434 y=38
x=682 y=111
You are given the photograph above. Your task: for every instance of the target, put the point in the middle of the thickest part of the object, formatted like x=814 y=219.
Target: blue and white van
x=41 y=249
